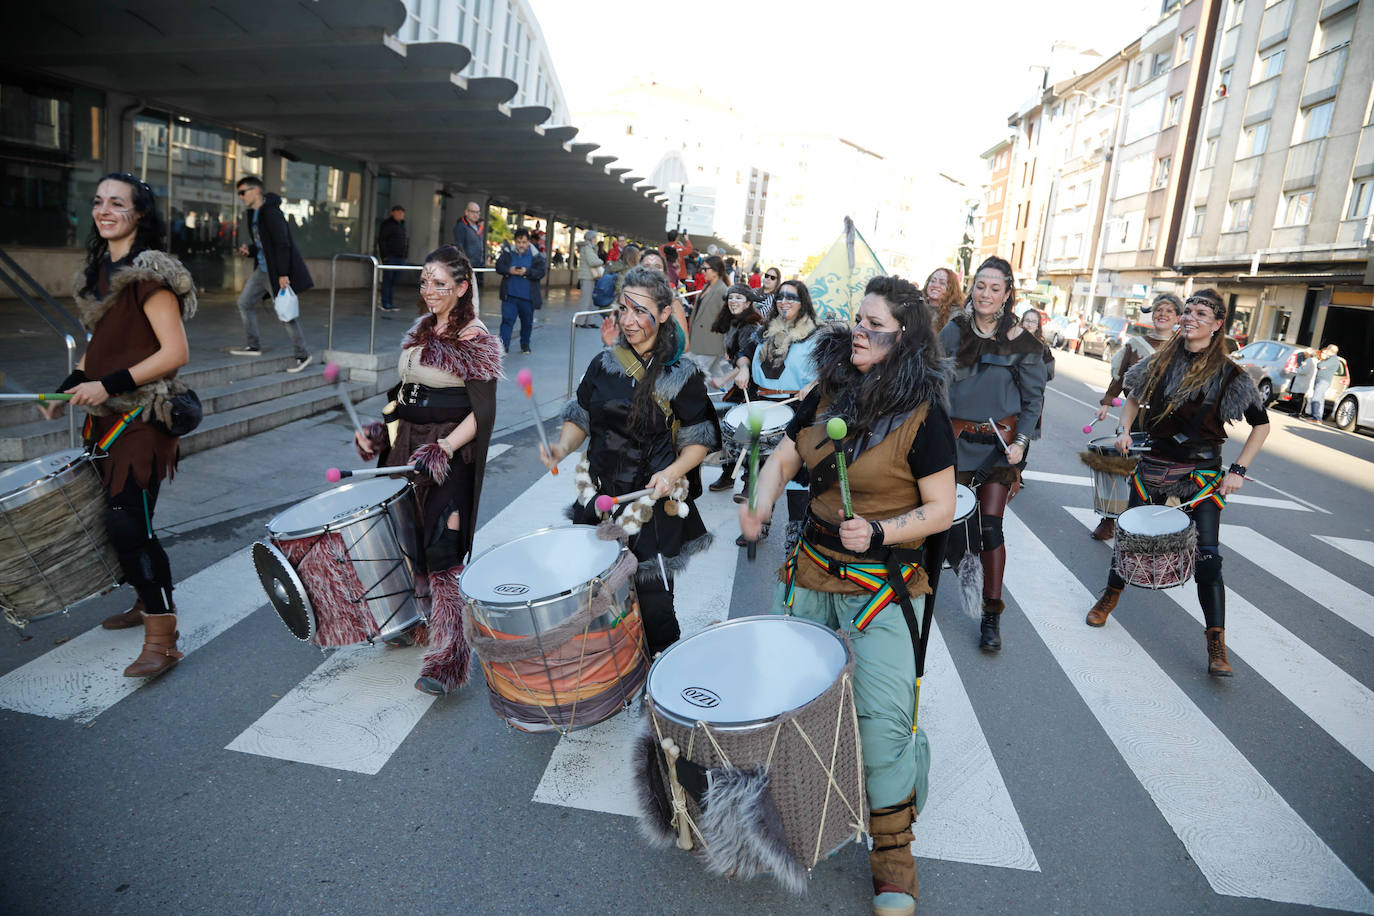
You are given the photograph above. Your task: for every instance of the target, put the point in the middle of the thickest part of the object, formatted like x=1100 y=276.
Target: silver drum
x=341 y=568
x=735 y=427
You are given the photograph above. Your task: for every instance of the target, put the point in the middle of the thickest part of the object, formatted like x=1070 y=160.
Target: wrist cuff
x=118 y=382
x=76 y=378
x=876 y=536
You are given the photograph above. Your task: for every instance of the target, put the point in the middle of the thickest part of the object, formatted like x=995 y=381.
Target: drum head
x=746 y=671
x=1153 y=520
x=335 y=508
x=775 y=418
x=965 y=502
x=14 y=481
x=1106 y=445
x=285 y=591
x=539 y=565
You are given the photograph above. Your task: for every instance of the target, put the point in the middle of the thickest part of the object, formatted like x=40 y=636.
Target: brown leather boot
x=159 y=646
x=1106 y=603
x=1105 y=530
x=894 y=868
x=133 y=617
x=1217 y=663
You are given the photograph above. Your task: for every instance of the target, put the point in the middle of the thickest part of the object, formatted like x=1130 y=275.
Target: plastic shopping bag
x=287 y=304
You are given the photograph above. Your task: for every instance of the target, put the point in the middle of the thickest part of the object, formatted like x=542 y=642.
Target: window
x=1234 y=12
x=1195 y=223
x=1359 y=199
x=1268 y=66
x=1255 y=141
x=990 y=228
x=1209 y=153
x=1334 y=32
x=1162 y=170
x=1315 y=122
x=1173 y=110
x=1238 y=214
x=1159 y=65
x=1185 y=47
x=1151 y=234
x=1297 y=208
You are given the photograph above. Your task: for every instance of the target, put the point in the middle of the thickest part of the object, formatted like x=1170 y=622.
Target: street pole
x=1107 y=203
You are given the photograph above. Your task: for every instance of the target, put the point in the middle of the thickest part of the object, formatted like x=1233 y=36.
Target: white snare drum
x=763 y=698
x=341 y=568
x=555 y=624
x=54 y=551
x=965 y=535
x=1112 y=490
x=1156 y=547
x=735 y=428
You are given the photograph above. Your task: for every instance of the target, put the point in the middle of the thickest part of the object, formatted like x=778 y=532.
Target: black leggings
x=656 y=610
x=129 y=521
x=1211 y=591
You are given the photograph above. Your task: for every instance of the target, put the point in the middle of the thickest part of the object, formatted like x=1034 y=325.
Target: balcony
x=1244 y=177
x=1324 y=76
x=1274 y=28
x=1259 y=101
x=1160 y=38
x=1304 y=164
x=1288 y=237
x=1232 y=243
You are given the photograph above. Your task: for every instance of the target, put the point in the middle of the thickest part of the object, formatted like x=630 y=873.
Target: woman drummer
x=887 y=380
x=132 y=298
x=783 y=371
x=1183 y=396
x=1163 y=316
x=645 y=410
x=741 y=324
x=445 y=408
x=995 y=403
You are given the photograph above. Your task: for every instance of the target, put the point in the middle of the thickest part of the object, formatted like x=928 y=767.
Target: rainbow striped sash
x=872 y=577
x=1206 y=482
x=114 y=432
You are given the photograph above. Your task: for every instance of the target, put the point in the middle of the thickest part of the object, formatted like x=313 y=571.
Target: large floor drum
x=54 y=550
x=769 y=693
x=735 y=427
x=553 y=618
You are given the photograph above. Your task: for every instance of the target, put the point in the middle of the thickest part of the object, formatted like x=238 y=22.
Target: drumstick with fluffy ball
x=331 y=374
x=755 y=434
x=605 y=503
x=525 y=378
x=334 y=475
x=837 y=429
x=1116 y=402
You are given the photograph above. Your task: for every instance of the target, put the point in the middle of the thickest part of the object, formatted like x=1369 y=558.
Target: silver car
x=1355 y=408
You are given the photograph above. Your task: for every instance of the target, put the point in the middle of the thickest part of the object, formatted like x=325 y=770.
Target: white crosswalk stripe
x=1243 y=836
x=1240 y=499
x=1360 y=550
x=1334 y=700
x=1336 y=595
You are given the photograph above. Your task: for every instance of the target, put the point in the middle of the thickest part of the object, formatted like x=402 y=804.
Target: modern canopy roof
x=332 y=76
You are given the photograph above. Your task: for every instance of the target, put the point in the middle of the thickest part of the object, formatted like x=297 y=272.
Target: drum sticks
x=35 y=396
x=837 y=429
x=755 y=433
x=525 y=378
x=334 y=475
x=331 y=374
x=684 y=832
x=1116 y=402
x=605 y=502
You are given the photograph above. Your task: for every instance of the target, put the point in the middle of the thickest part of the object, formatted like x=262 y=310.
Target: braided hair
x=643 y=408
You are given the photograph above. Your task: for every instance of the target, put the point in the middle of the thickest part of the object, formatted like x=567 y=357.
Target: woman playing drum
x=742 y=325
x=445 y=408
x=132 y=298
x=1163 y=317
x=995 y=403
x=1184 y=395
x=650 y=423
x=864 y=574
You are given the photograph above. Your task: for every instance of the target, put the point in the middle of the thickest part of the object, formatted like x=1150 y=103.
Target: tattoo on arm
x=918 y=513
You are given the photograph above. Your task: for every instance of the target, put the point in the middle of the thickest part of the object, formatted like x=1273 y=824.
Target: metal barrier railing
x=15 y=277
x=572 y=342
x=377 y=268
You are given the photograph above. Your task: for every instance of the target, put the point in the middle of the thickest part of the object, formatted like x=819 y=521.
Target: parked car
x=1059 y=330
x=1108 y=335
x=1355 y=408
x=1273 y=363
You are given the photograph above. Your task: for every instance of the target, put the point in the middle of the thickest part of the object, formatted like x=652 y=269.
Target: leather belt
x=780 y=394
x=413 y=394
x=1007 y=425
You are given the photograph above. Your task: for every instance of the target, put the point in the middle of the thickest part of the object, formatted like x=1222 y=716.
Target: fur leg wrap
x=433 y=460
x=655 y=807
x=970 y=571
x=449 y=657
x=742 y=829
x=890 y=859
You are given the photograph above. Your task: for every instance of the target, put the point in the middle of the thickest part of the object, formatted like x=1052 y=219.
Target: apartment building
x=998 y=160
x=1279 y=215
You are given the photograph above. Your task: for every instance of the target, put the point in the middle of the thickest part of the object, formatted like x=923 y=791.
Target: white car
x=1355 y=408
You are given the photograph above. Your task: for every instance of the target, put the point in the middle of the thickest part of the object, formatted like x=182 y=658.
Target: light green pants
x=895 y=759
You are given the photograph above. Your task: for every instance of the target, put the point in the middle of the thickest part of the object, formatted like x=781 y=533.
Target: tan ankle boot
x=894 y=868
x=1217 y=663
x=133 y=617
x=1105 y=530
x=1106 y=603
x=159 y=646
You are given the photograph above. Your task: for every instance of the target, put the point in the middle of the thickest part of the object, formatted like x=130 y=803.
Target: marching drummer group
x=889 y=417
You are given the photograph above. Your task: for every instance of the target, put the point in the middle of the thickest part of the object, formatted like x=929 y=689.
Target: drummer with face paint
x=1183 y=396
x=648 y=422
x=866 y=575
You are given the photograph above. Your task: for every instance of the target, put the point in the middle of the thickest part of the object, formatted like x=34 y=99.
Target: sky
x=931 y=83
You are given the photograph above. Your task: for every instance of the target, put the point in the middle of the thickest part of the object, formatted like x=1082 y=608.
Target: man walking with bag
x=279 y=267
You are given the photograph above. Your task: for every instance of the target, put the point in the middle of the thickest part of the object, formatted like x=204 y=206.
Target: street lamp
x=1111 y=190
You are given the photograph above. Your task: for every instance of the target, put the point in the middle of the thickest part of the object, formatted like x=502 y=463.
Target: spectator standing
x=470 y=235
x=393 y=247
x=589 y=269
x=767 y=293
x=755 y=278
x=1303 y=378
x=708 y=343
x=1328 y=364
x=943 y=294
x=279 y=266
x=617 y=246
x=681 y=245
x=521 y=268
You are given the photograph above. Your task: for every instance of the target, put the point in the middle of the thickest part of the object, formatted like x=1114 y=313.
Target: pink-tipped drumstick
x=331 y=374
x=525 y=379
x=605 y=503
x=334 y=475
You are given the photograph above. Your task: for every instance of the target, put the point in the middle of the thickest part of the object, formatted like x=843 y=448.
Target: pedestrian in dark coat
x=393 y=247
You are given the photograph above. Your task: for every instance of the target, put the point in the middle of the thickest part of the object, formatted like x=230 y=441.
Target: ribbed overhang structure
x=330 y=74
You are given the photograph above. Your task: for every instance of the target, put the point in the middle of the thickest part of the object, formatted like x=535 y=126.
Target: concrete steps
x=240 y=396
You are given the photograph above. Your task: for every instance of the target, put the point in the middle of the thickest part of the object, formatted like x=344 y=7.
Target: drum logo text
x=700 y=696
x=511 y=588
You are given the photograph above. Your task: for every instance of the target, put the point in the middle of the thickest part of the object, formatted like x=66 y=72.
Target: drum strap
x=114 y=432
x=1206 y=480
x=634 y=368
x=887 y=582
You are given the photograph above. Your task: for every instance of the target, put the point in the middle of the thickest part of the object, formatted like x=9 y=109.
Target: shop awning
x=331 y=75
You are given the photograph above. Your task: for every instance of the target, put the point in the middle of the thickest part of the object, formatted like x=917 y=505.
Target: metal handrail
x=572 y=341
x=37 y=288
x=377 y=268
x=67 y=339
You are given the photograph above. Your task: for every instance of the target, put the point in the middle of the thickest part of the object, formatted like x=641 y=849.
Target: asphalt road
x=1077 y=771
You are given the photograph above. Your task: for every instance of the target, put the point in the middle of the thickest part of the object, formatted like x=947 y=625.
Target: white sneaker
x=301 y=363
x=245 y=351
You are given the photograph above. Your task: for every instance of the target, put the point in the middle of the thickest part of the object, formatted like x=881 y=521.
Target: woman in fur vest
x=1183 y=396
x=132 y=298
x=643 y=410
x=999 y=377
x=887 y=380
x=445 y=408
x=742 y=325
